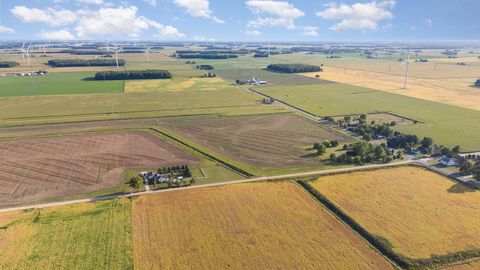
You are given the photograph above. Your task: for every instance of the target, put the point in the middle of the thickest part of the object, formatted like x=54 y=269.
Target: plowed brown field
x=36 y=169
x=266 y=141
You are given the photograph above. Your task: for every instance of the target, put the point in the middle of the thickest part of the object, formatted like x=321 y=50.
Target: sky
x=240 y=20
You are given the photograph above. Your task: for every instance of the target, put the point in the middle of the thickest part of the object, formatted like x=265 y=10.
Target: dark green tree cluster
x=84 y=52
x=9 y=64
x=364 y=152
x=293 y=68
x=133 y=75
x=477 y=83
x=321 y=148
x=470 y=165
x=183 y=170
x=204 y=55
x=85 y=63
x=205 y=67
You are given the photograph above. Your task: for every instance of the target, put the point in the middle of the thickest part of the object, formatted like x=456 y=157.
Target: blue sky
x=241 y=20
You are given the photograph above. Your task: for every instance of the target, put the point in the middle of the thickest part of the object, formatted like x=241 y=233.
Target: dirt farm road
x=263 y=178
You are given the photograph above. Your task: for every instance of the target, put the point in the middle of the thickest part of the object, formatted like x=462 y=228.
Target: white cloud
x=361 y=16
x=104 y=21
x=153 y=3
x=413 y=28
x=253 y=33
x=54 y=17
x=56 y=35
x=200 y=38
x=198 y=8
x=6 y=30
x=92 y=2
x=427 y=22
x=278 y=13
x=311 y=31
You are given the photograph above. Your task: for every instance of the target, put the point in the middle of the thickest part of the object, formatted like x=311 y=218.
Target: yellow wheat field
x=455 y=91
x=245 y=226
x=82 y=236
x=419 y=212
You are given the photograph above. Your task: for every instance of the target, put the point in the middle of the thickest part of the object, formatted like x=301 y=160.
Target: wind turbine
x=405 y=82
x=116 y=50
x=22 y=50
x=147 y=52
x=28 y=54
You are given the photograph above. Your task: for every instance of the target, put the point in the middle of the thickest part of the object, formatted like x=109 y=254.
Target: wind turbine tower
x=116 y=50
x=147 y=52
x=405 y=82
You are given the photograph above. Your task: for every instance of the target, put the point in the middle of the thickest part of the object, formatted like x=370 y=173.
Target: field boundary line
x=256 y=179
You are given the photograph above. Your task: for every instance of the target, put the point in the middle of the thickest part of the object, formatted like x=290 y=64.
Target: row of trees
x=184 y=170
x=133 y=75
x=9 y=64
x=364 y=152
x=204 y=56
x=208 y=75
x=85 y=63
x=293 y=68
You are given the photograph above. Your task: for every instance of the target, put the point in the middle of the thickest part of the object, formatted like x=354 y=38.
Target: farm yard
x=416 y=212
x=283 y=227
x=280 y=139
x=82 y=236
x=40 y=168
x=446 y=124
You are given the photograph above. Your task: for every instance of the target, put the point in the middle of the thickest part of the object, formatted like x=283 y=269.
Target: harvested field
x=40 y=168
x=245 y=226
x=82 y=236
x=176 y=84
x=265 y=141
x=418 y=212
x=454 y=91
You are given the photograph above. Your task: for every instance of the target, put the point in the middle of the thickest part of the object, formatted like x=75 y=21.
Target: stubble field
x=282 y=227
x=418 y=212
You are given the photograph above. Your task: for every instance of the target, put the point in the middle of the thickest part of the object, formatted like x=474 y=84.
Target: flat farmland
x=454 y=91
x=82 y=236
x=446 y=124
x=282 y=228
x=57 y=84
x=416 y=211
x=261 y=141
x=75 y=108
x=40 y=168
x=176 y=84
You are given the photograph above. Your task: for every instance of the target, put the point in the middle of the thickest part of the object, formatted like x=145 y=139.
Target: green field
x=447 y=124
x=74 y=108
x=82 y=236
x=57 y=84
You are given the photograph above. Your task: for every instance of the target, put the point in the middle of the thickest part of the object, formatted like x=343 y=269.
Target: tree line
x=470 y=165
x=85 y=63
x=204 y=56
x=293 y=68
x=9 y=64
x=205 y=67
x=133 y=75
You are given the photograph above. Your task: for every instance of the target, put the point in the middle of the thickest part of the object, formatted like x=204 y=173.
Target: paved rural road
x=264 y=178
